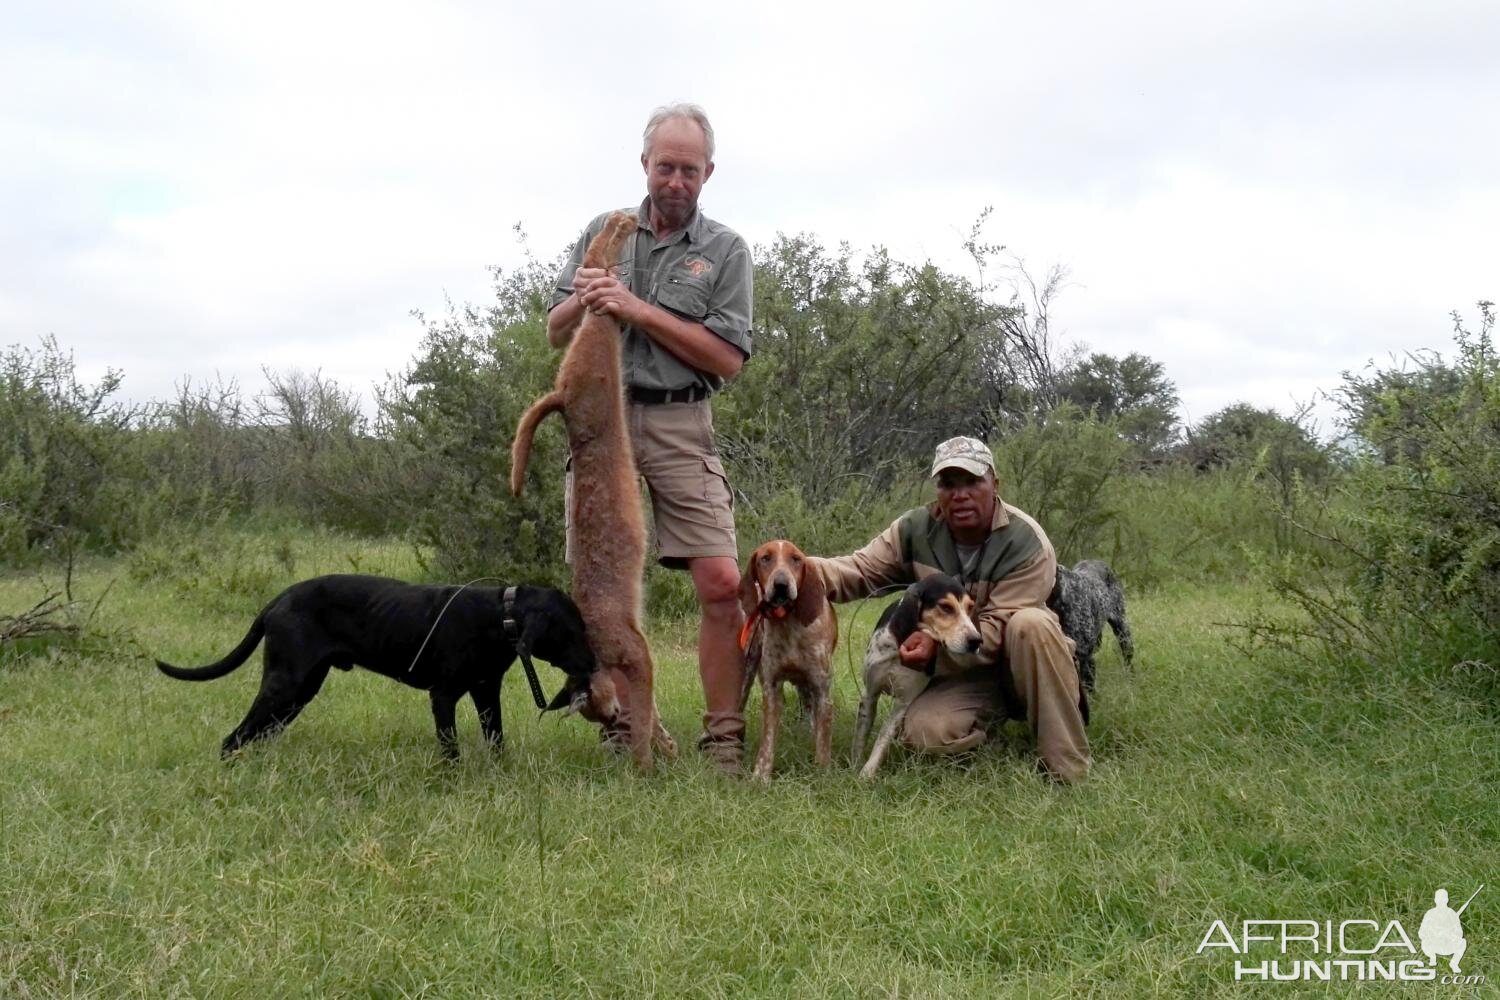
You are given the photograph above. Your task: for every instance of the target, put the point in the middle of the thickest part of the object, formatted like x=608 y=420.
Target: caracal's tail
x=520 y=451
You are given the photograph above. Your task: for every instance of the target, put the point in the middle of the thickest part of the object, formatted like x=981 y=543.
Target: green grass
x=345 y=859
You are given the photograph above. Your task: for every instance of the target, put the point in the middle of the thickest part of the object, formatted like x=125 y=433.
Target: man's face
x=967 y=500
x=676 y=167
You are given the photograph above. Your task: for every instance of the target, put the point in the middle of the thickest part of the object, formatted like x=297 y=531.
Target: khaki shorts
x=692 y=508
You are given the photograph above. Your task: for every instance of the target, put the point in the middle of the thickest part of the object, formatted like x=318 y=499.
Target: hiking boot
x=727 y=753
x=723 y=741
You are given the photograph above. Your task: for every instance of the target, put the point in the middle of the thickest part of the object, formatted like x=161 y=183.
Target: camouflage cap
x=969 y=454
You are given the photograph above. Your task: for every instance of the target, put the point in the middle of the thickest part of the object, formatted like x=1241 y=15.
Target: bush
x=1060 y=469
x=1430 y=494
x=1077 y=475
x=300 y=447
x=64 y=457
x=452 y=417
x=79 y=472
x=1419 y=522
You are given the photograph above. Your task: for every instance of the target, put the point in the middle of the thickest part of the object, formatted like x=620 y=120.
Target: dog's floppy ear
x=908 y=614
x=749 y=593
x=811 y=594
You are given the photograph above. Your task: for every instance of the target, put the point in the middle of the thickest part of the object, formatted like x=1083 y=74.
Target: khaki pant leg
x=953 y=714
x=692 y=508
x=1040 y=658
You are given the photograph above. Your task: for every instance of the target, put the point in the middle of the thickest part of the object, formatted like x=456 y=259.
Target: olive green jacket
x=1017 y=567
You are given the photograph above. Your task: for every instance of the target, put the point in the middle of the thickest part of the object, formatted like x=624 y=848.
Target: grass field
x=344 y=859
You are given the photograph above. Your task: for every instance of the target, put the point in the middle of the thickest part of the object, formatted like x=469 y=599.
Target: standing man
x=681 y=294
x=1024 y=667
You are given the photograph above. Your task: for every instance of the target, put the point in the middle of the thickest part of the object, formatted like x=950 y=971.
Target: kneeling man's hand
x=918 y=650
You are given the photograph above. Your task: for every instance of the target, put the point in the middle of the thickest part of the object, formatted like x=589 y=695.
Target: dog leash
x=512 y=633
x=760 y=612
x=885 y=591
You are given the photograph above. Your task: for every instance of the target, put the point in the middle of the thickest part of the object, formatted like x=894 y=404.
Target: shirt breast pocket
x=685 y=296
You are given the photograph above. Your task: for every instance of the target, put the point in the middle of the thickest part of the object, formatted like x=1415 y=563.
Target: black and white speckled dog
x=1084 y=598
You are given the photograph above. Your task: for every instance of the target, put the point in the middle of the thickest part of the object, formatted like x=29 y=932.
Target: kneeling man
x=1024 y=669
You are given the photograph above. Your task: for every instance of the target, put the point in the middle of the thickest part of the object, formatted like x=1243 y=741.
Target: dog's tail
x=520 y=451
x=236 y=657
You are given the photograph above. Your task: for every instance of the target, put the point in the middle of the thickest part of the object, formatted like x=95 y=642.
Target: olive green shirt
x=701 y=273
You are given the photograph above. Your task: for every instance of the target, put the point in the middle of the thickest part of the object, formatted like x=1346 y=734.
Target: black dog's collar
x=508 y=615
x=513 y=634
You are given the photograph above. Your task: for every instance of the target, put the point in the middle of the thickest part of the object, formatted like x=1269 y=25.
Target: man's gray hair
x=667 y=112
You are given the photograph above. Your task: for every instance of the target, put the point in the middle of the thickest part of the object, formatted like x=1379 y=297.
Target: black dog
x=1085 y=597
x=346 y=621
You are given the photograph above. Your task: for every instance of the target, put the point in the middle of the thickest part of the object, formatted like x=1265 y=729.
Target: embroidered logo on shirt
x=698 y=266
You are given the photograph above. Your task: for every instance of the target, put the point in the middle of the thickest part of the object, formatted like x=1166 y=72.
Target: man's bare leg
x=716 y=580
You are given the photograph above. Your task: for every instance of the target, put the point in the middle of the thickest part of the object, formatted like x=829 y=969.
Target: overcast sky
x=1257 y=194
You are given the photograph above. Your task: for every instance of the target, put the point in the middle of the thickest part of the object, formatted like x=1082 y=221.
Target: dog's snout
x=973 y=643
x=782 y=587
